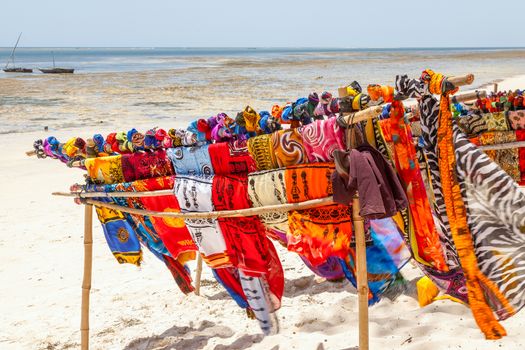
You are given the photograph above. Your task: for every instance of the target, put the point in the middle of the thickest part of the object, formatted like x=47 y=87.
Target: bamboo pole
x=461 y=80
x=363 y=115
x=222 y=213
x=507 y=145
x=198 y=273
x=359 y=234
x=114 y=194
x=362 y=275
x=470 y=96
x=86 y=281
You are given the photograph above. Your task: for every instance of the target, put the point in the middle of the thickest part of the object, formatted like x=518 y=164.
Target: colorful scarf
x=244 y=235
x=428 y=250
x=321 y=138
x=287 y=145
x=477 y=283
x=473 y=124
x=172 y=231
x=145 y=165
x=452 y=283
x=120 y=236
x=308 y=181
x=321 y=232
x=268 y=188
x=496 y=121
x=260 y=148
x=106 y=170
x=516 y=119
x=194 y=194
x=386 y=254
x=231 y=158
x=496 y=218
x=191 y=160
x=507 y=159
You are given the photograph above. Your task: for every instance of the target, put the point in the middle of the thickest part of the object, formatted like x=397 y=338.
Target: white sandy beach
x=41 y=255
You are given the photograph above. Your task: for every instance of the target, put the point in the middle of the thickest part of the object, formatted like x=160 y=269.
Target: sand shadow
x=242 y=343
x=186 y=337
x=307 y=285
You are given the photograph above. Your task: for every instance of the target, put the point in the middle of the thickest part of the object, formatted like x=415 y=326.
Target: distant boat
x=56 y=70
x=15 y=69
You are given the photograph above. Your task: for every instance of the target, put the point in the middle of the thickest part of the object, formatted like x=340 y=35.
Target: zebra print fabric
x=496 y=219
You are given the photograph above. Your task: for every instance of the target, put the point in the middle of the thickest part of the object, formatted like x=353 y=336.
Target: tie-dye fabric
x=321 y=138
x=321 y=232
x=191 y=160
x=386 y=254
x=287 y=145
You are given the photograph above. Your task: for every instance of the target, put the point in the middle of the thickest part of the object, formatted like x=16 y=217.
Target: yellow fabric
x=251 y=118
x=107 y=170
x=69 y=147
x=426 y=291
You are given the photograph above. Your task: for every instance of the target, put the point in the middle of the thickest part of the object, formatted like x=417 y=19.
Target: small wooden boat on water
x=15 y=69
x=18 y=70
x=56 y=70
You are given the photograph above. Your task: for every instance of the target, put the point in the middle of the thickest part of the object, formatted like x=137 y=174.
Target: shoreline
x=513 y=82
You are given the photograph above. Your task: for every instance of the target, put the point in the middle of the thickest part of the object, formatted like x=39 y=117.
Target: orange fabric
x=429 y=250
x=308 y=181
x=380 y=91
x=457 y=214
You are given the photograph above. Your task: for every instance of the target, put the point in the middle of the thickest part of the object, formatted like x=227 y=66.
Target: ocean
x=120 y=87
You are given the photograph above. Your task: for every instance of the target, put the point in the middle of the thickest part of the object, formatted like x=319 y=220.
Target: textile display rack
x=87 y=199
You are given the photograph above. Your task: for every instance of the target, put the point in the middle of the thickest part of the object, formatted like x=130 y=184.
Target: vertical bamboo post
x=86 y=281
x=198 y=275
x=362 y=275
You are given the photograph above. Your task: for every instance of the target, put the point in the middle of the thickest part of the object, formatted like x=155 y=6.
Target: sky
x=264 y=23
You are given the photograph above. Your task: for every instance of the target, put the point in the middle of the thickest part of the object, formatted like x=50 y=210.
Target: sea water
x=120 y=87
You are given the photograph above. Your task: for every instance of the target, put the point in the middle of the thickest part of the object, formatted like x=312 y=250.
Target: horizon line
x=270 y=47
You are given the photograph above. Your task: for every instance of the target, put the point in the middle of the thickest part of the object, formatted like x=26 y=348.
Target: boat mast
x=12 y=57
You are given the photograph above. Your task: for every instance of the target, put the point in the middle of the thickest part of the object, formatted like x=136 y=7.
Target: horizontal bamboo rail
x=81 y=194
x=508 y=145
x=461 y=80
x=221 y=213
x=365 y=114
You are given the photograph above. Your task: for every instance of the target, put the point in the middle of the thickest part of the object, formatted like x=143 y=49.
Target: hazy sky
x=248 y=23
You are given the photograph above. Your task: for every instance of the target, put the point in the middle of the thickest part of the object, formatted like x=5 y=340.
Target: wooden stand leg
x=86 y=282
x=362 y=276
x=198 y=275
